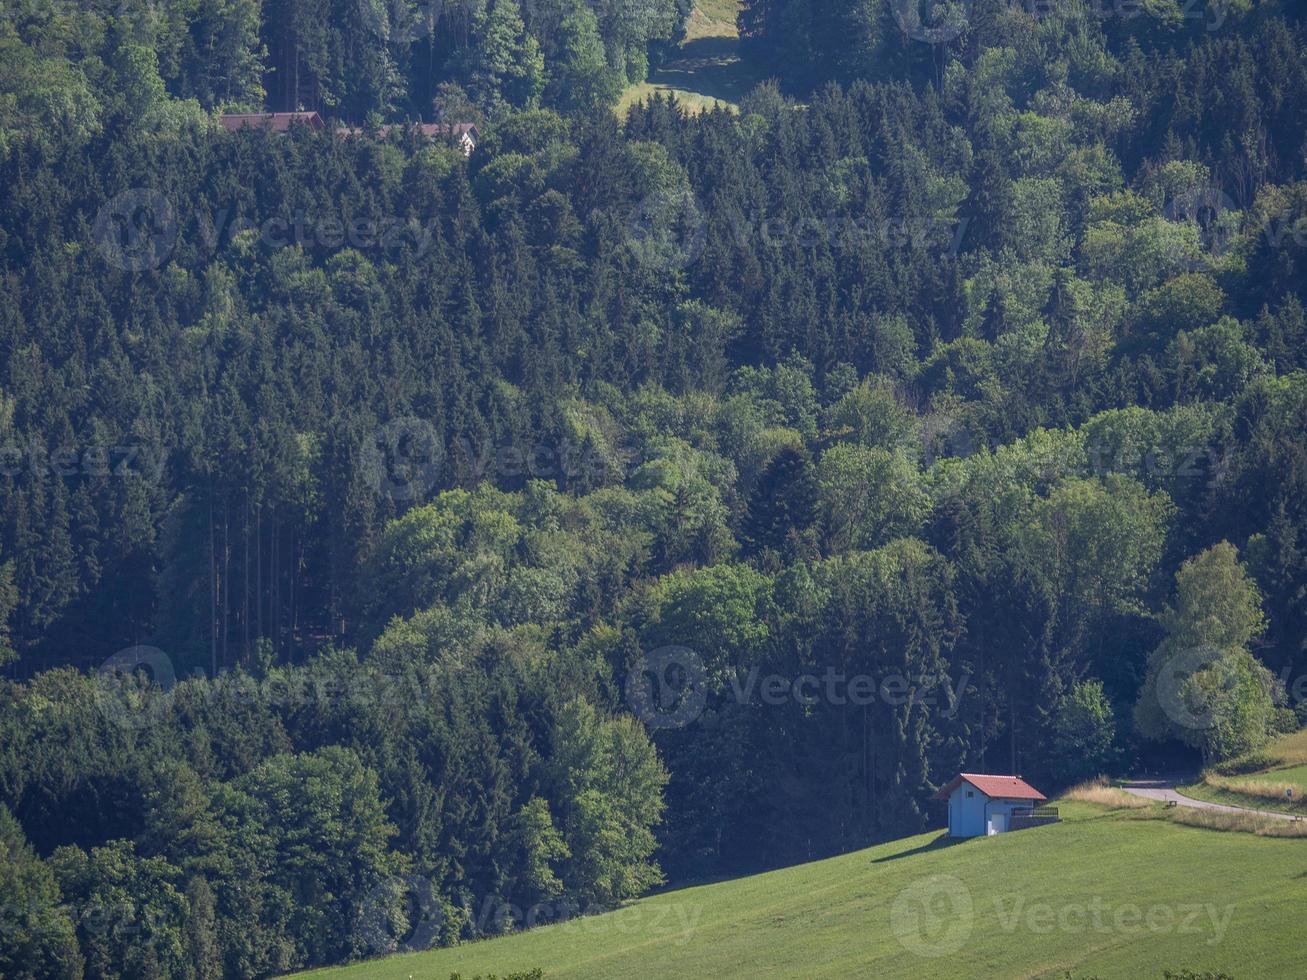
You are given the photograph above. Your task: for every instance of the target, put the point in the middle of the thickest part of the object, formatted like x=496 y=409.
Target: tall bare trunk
x=213 y=594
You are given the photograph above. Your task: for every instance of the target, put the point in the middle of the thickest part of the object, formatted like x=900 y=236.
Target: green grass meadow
x=1282 y=766
x=707 y=72
x=1105 y=893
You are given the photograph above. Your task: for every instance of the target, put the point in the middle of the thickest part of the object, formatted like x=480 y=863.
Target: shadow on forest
x=709 y=66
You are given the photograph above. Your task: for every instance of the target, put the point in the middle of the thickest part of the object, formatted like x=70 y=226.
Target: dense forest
x=397 y=547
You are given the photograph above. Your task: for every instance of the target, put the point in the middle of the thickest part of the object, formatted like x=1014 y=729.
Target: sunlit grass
x=706 y=72
x=845 y=916
x=1104 y=795
x=713 y=18
x=1279 y=784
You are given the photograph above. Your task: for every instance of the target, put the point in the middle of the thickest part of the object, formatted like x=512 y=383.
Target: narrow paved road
x=1163 y=788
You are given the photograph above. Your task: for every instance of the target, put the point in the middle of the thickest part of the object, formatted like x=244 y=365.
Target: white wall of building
x=966 y=812
x=973 y=814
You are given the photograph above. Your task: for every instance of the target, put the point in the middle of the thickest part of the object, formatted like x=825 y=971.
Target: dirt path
x=1164 y=788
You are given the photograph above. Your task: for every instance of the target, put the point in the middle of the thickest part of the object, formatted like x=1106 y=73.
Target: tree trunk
x=213 y=594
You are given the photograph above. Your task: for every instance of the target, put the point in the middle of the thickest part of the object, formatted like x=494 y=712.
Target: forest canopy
x=397 y=546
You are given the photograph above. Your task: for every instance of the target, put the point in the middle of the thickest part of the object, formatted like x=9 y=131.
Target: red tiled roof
x=995 y=787
x=278 y=122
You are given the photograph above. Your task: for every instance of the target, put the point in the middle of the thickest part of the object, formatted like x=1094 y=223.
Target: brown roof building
x=276 y=122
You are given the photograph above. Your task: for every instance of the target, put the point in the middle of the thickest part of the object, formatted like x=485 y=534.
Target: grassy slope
x=838 y=917
x=708 y=71
x=1288 y=768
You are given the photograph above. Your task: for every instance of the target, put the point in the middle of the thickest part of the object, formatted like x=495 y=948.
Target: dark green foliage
x=133 y=63
x=899 y=411
x=783 y=503
x=39 y=939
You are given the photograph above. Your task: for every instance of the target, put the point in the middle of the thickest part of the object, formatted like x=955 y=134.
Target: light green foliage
x=39 y=939
x=1216 y=604
x=1033 y=229
x=612 y=784
x=509 y=68
x=429 y=635
x=582 y=78
x=1168 y=450
x=1127 y=241
x=719 y=612
x=117 y=891
x=8 y=602
x=693 y=522
x=869 y=496
x=39 y=94
x=872 y=414
x=457 y=547
x=784 y=394
x=1094 y=545
x=1204 y=687
x=316 y=838
x=136 y=79
x=542 y=848
x=1187 y=302
x=1215 y=362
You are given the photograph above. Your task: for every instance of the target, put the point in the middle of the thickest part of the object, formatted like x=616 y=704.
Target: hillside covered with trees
x=634 y=500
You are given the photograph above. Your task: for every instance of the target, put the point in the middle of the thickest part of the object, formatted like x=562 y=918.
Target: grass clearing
x=713 y=18
x=1279 y=781
x=706 y=72
x=1103 y=893
x=1244 y=823
x=1291 y=750
x=1294 y=777
x=1104 y=795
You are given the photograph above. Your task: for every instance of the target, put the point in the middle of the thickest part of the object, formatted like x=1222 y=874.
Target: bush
x=1284 y=721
